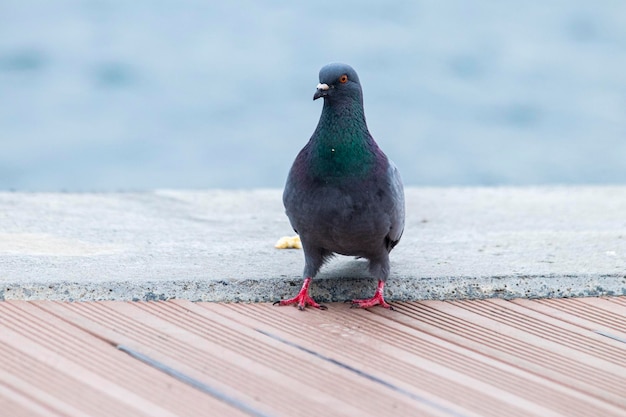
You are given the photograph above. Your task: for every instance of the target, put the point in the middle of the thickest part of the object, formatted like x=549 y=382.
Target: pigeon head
x=338 y=83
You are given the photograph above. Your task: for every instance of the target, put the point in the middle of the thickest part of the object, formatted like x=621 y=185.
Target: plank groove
x=522 y=357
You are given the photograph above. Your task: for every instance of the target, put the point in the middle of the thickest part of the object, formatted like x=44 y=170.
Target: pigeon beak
x=322 y=91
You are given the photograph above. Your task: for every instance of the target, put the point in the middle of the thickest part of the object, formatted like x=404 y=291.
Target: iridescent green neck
x=343 y=145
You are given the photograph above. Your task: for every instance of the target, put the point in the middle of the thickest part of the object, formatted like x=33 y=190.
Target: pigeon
x=342 y=195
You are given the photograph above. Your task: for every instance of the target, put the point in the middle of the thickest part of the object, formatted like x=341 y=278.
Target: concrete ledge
x=218 y=246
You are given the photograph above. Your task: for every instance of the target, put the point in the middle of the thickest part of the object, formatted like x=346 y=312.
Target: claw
x=302 y=299
x=377 y=299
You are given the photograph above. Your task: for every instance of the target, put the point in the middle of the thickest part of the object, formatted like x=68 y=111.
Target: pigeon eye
x=343 y=79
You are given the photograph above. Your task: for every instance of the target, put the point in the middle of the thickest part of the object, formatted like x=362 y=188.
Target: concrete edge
x=325 y=289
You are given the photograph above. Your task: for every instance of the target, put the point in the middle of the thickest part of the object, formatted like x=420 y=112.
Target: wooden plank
x=482 y=358
x=86 y=370
x=14 y=403
x=575 y=317
x=349 y=337
x=201 y=356
x=502 y=342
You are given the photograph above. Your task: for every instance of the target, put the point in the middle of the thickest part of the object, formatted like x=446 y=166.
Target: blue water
x=124 y=95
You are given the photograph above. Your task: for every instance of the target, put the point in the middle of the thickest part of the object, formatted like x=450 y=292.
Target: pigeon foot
x=376 y=300
x=302 y=299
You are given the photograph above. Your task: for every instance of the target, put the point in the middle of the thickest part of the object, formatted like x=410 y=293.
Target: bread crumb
x=289 y=242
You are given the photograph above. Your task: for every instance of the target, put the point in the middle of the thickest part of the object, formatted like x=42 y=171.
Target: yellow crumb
x=289 y=242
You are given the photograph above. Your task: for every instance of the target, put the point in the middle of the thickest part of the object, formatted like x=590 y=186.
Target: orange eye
x=343 y=79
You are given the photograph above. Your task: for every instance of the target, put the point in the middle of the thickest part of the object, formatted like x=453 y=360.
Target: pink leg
x=302 y=299
x=377 y=299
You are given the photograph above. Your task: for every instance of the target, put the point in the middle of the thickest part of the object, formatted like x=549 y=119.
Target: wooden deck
x=559 y=357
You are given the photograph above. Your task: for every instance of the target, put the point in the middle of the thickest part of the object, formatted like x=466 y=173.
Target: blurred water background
x=131 y=95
